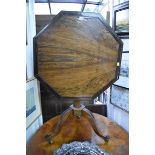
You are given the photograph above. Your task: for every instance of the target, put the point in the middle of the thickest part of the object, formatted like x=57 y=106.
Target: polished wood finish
x=42 y=21
x=52 y=105
x=80 y=130
x=77 y=54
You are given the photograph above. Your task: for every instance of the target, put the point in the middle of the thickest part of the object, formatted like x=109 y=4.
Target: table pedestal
x=78 y=109
x=80 y=130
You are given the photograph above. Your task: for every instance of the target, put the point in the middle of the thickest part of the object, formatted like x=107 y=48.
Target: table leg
x=93 y=123
x=63 y=117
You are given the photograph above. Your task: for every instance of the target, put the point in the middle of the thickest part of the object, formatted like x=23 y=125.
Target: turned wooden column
x=77 y=104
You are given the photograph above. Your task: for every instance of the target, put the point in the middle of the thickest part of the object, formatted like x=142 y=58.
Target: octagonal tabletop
x=77 y=54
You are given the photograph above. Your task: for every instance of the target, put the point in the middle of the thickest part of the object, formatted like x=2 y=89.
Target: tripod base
x=77 y=109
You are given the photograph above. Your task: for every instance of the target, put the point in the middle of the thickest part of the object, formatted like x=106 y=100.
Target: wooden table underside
x=80 y=130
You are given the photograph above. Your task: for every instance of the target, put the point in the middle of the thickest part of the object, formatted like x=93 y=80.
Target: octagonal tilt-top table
x=77 y=56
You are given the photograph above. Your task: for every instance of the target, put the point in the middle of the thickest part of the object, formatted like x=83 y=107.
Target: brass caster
x=48 y=139
x=106 y=138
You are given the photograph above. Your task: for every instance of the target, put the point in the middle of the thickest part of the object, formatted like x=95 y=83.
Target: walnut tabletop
x=80 y=130
x=77 y=55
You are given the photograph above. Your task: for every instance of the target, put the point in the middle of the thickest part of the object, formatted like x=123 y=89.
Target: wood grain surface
x=77 y=55
x=42 y=21
x=80 y=130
